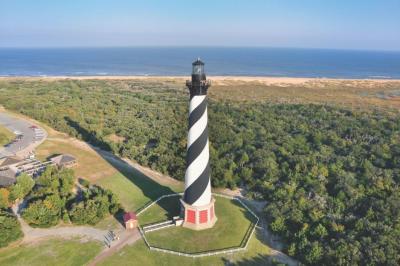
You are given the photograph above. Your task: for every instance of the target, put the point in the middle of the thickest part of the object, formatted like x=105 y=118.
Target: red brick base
x=198 y=217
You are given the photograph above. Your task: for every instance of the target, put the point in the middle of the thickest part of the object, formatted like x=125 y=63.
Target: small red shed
x=130 y=220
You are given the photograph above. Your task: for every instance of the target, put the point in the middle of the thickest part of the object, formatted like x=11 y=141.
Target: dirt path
x=128 y=238
x=34 y=235
x=274 y=243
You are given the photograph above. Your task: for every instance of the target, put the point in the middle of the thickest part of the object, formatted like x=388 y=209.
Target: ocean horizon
x=220 y=61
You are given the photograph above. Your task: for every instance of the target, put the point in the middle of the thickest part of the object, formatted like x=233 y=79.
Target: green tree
x=278 y=225
x=44 y=213
x=10 y=229
x=314 y=254
x=320 y=231
x=22 y=187
x=4 y=195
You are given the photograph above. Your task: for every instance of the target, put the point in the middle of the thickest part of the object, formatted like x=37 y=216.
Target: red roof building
x=130 y=220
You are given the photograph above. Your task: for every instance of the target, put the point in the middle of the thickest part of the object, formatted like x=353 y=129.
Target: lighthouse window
x=198 y=69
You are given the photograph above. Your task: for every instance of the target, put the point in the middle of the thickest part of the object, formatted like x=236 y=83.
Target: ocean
x=176 y=61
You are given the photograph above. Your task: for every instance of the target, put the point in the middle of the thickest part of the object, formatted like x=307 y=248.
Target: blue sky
x=340 y=24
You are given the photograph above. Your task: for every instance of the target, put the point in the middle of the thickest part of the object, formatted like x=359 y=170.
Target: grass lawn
x=51 y=252
x=163 y=210
x=233 y=223
x=6 y=136
x=138 y=254
x=90 y=166
x=134 y=190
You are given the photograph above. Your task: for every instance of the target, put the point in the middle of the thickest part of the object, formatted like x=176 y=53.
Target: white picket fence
x=200 y=254
x=146 y=227
x=158 y=226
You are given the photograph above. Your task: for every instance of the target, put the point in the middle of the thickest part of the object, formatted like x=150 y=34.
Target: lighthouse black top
x=199 y=85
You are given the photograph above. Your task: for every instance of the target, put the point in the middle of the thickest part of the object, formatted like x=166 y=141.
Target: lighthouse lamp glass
x=198 y=69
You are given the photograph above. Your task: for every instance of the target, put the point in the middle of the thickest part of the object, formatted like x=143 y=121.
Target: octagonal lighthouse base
x=198 y=217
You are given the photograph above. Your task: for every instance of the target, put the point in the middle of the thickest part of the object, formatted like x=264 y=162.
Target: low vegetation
x=21 y=188
x=330 y=174
x=47 y=202
x=6 y=136
x=95 y=205
x=53 y=199
x=10 y=229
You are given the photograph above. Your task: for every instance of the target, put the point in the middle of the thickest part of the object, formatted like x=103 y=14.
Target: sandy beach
x=218 y=79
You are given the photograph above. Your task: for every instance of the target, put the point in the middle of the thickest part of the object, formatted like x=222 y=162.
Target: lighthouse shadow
x=151 y=189
x=258 y=260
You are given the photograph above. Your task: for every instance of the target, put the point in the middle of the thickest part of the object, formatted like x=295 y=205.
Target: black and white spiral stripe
x=197 y=177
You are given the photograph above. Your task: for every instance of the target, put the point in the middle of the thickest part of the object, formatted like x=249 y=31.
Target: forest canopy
x=330 y=175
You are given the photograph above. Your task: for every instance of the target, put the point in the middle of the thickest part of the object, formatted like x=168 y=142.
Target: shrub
x=44 y=213
x=10 y=229
x=97 y=203
x=4 y=195
x=22 y=187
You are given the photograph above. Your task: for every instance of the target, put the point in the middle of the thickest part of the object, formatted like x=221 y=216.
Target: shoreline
x=261 y=79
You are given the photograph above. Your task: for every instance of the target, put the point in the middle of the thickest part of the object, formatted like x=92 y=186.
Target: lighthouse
x=197 y=202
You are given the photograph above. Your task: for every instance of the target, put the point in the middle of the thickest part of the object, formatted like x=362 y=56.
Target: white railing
x=199 y=254
x=158 y=228
x=156 y=224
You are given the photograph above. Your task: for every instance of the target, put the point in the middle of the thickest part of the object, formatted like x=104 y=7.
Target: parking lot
x=27 y=136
